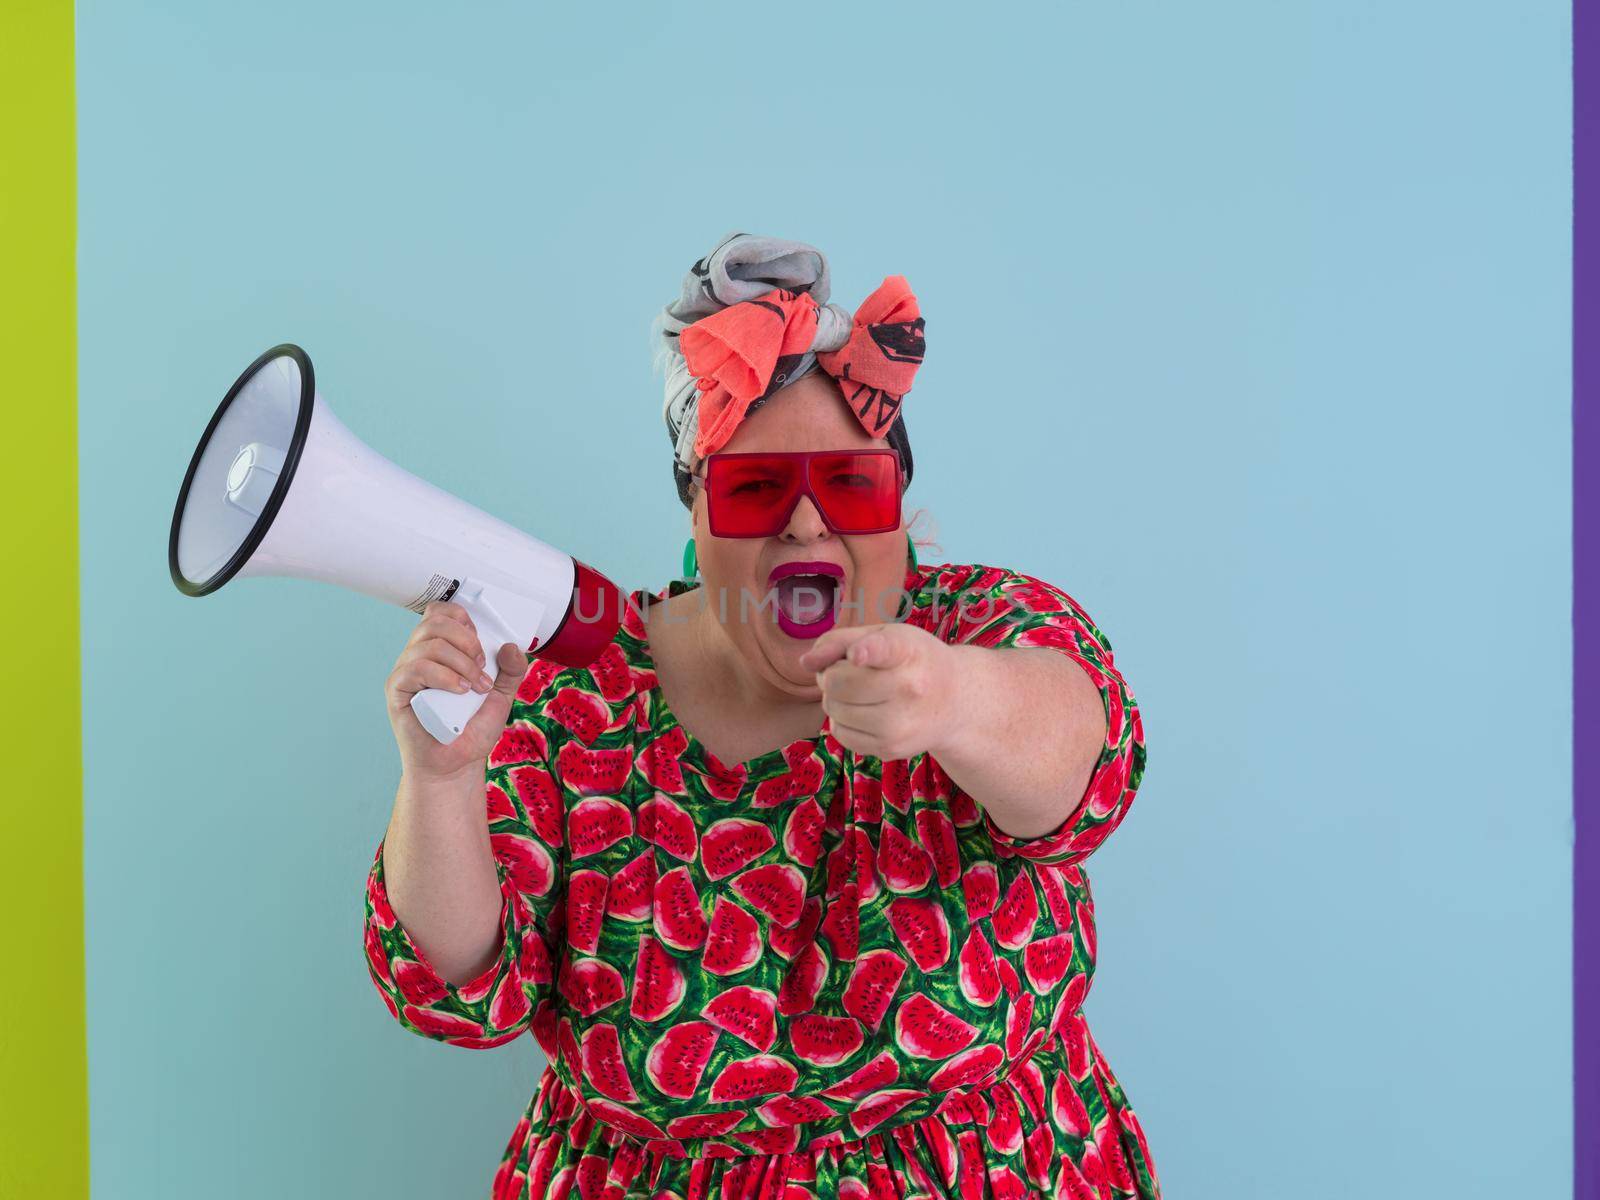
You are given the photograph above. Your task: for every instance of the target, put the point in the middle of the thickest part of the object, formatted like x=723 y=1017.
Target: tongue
x=805 y=598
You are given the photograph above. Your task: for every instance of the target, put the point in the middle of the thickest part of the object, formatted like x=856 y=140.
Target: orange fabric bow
x=745 y=351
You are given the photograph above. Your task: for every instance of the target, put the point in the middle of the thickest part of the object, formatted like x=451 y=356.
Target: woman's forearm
x=1030 y=728
x=440 y=874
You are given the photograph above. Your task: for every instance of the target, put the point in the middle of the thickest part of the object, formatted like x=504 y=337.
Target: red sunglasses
x=754 y=495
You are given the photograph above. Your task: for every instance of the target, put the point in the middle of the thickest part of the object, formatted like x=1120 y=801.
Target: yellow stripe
x=44 y=1106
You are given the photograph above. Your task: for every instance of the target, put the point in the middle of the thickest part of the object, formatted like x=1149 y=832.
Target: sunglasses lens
x=754 y=495
x=858 y=492
x=750 y=497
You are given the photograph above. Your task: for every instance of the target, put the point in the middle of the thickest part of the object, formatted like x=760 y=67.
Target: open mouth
x=806 y=597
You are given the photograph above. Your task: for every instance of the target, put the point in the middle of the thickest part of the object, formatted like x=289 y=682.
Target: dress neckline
x=696 y=753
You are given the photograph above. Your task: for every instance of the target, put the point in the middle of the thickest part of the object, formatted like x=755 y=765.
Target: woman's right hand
x=443 y=652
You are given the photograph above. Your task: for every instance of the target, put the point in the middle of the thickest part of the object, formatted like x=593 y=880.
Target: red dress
x=810 y=974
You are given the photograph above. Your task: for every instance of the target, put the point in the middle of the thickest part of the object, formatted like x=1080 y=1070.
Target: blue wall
x=1247 y=326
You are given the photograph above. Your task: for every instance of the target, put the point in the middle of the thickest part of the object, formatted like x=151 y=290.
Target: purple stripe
x=1585 y=615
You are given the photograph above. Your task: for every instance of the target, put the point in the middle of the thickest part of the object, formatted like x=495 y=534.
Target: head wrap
x=752 y=318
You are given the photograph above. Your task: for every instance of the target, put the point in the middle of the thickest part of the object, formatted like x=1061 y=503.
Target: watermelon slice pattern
x=841 y=961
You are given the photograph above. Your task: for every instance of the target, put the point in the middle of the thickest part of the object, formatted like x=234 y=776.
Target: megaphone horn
x=278 y=486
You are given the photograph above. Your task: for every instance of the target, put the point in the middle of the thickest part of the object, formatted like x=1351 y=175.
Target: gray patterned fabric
x=740 y=267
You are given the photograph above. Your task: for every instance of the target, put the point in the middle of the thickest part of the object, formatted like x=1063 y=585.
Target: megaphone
x=278 y=486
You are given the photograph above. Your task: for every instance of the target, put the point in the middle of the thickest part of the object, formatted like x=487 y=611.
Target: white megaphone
x=278 y=486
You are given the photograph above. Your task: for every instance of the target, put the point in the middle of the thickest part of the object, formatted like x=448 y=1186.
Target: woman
x=788 y=884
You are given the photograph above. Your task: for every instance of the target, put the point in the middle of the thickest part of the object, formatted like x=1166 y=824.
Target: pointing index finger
x=832 y=646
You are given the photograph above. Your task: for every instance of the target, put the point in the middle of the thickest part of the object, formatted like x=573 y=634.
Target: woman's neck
x=709 y=645
x=713 y=689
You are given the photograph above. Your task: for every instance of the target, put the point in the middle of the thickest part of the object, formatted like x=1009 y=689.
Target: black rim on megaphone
x=291 y=459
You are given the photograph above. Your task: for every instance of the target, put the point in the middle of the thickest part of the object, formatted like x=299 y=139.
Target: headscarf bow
x=746 y=351
x=753 y=317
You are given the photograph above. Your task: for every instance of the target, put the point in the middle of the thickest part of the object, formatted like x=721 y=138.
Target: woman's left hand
x=889 y=690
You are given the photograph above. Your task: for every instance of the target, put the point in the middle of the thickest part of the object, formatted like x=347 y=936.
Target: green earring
x=912 y=547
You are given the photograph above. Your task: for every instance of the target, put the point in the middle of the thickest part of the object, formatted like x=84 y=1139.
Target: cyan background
x=1247 y=326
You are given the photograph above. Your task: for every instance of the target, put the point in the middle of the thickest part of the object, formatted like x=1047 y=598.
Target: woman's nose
x=805 y=522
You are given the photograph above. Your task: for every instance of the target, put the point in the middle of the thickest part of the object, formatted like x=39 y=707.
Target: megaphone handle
x=444 y=713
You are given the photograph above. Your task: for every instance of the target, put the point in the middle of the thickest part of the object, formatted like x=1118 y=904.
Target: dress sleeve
x=991 y=606
x=525 y=814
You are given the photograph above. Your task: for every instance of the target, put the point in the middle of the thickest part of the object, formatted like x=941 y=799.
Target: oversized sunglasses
x=754 y=495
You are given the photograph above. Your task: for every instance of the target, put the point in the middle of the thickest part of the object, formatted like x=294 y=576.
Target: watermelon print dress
x=807 y=975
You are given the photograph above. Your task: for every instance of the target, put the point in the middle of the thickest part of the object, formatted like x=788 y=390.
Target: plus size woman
x=788 y=884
